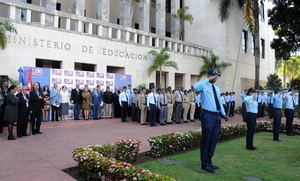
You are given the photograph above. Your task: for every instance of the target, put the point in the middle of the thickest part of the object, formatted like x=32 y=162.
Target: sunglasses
x=26 y=89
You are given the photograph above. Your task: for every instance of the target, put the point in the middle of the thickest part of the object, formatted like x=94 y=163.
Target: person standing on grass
x=212 y=111
x=277 y=106
x=290 y=103
x=251 y=115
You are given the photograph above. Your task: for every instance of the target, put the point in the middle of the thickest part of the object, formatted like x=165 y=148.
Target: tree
x=284 y=19
x=5 y=26
x=274 y=82
x=292 y=65
x=212 y=62
x=160 y=59
x=183 y=17
x=250 y=10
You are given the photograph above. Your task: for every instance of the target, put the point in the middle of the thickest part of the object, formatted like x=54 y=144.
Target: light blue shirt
x=290 y=101
x=198 y=100
x=151 y=99
x=243 y=95
x=270 y=99
x=208 y=99
x=258 y=98
x=277 y=101
x=55 y=98
x=251 y=104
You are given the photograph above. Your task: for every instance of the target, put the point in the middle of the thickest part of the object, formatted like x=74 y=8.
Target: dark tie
x=126 y=97
x=164 y=99
x=181 y=96
x=154 y=98
x=216 y=98
x=293 y=102
x=257 y=98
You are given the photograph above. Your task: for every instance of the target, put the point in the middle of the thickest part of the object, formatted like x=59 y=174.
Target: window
x=263 y=48
x=153 y=30
x=58 y=6
x=262 y=10
x=244 y=40
x=168 y=6
x=29 y=1
x=252 y=44
x=85 y=67
x=153 y=4
x=181 y=3
x=118 y=21
x=168 y=34
x=48 y=63
x=136 y=26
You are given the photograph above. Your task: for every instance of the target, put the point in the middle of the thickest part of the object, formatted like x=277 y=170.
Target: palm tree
x=212 y=62
x=161 y=59
x=251 y=18
x=5 y=26
x=293 y=67
x=183 y=16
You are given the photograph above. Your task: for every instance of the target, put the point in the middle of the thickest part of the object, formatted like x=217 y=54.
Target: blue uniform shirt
x=251 y=104
x=277 y=101
x=243 y=95
x=289 y=101
x=198 y=100
x=208 y=99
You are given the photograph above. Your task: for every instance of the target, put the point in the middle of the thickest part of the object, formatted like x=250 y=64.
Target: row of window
x=245 y=44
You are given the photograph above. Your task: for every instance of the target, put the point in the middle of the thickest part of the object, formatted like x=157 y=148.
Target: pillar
x=125 y=15
x=175 y=22
x=20 y=14
x=171 y=79
x=161 y=17
x=103 y=15
x=78 y=7
x=50 y=5
x=144 y=10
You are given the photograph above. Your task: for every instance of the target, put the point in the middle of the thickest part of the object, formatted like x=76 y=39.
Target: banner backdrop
x=69 y=78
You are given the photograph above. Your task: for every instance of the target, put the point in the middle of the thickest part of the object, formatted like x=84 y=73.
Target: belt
x=252 y=113
x=216 y=113
x=163 y=104
x=178 y=102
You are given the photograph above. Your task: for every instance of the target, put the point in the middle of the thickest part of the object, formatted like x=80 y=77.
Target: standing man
x=243 y=95
x=193 y=104
x=129 y=92
x=198 y=106
x=232 y=104
x=170 y=98
x=107 y=100
x=178 y=96
x=124 y=102
x=277 y=106
x=142 y=102
x=152 y=106
x=76 y=99
x=290 y=103
x=96 y=100
x=23 y=113
x=227 y=100
x=55 y=102
x=163 y=107
x=259 y=101
x=211 y=122
x=134 y=105
x=36 y=103
x=100 y=94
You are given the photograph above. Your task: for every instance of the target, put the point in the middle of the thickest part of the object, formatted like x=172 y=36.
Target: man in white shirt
x=163 y=107
x=152 y=106
x=124 y=101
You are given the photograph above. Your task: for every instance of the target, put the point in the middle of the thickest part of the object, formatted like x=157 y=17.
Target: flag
x=29 y=82
x=21 y=76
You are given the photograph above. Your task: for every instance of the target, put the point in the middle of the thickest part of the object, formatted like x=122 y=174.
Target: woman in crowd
x=46 y=106
x=11 y=110
x=186 y=105
x=64 y=103
x=86 y=102
x=251 y=115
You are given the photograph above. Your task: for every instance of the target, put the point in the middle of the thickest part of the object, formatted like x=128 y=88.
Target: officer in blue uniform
x=251 y=115
x=212 y=111
x=290 y=103
x=277 y=106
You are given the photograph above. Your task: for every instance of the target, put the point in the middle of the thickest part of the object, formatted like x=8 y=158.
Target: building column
x=78 y=7
x=171 y=80
x=103 y=15
x=145 y=15
x=20 y=13
x=50 y=5
x=175 y=22
x=161 y=17
x=125 y=18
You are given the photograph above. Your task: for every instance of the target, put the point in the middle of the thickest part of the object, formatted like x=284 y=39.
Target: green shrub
x=127 y=150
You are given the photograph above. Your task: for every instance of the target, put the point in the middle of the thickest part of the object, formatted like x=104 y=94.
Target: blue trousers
x=276 y=123
x=76 y=111
x=289 y=114
x=251 y=123
x=211 y=126
x=95 y=111
x=152 y=114
x=163 y=114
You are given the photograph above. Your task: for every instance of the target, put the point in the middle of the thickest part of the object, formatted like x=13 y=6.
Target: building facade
x=115 y=36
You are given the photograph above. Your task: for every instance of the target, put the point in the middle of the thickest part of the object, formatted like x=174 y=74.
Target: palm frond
x=2 y=40
x=171 y=64
x=248 y=15
x=224 y=9
x=7 y=26
x=212 y=62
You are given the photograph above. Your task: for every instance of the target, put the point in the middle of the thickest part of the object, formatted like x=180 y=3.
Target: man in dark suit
x=76 y=99
x=22 y=124
x=36 y=103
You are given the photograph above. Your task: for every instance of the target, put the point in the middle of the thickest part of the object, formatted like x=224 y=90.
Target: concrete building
x=115 y=36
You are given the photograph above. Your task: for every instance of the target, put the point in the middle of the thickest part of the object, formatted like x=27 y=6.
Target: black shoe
x=153 y=125
x=208 y=169
x=39 y=132
x=77 y=119
x=251 y=148
x=25 y=134
x=192 y=120
x=214 y=167
x=11 y=138
x=19 y=136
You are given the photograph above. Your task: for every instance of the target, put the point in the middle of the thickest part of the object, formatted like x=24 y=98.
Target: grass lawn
x=271 y=161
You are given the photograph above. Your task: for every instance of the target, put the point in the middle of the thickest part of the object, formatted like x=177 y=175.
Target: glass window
x=263 y=48
x=244 y=40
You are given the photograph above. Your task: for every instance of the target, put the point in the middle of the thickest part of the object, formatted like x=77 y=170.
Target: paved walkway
x=42 y=157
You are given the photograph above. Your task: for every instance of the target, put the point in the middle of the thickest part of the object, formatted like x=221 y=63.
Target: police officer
x=124 y=102
x=270 y=105
x=192 y=95
x=211 y=122
x=142 y=102
x=290 y=103
x=178 y=96
x=251 y=115
x=170 y=104
x=198 y=106
x=277 y=106
x=152 y=106
x=163 y=107
x=186 y=106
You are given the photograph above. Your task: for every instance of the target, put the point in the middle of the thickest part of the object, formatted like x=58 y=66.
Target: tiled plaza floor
x=42 y=157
